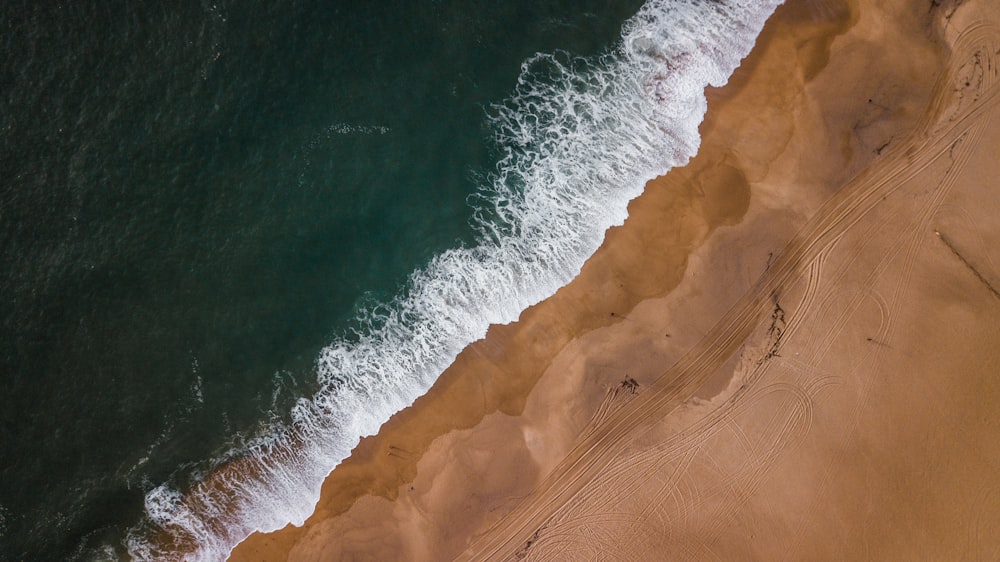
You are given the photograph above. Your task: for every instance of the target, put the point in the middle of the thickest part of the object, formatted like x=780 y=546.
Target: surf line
x=579 y=139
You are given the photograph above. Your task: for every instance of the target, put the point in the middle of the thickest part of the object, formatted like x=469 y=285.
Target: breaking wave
x=579 y=139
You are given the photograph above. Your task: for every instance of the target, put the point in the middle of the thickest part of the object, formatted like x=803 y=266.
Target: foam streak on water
x=581 y=137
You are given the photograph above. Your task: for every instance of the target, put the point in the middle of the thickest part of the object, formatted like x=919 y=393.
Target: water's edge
x=581 y=137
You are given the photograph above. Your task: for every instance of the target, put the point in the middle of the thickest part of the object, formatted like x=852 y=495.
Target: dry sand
x=791 y=350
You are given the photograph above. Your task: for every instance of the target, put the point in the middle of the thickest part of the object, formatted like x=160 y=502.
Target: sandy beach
x=789 y=350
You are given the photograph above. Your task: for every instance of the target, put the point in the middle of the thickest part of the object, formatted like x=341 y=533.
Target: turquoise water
x=196 y=197
x=254 y=231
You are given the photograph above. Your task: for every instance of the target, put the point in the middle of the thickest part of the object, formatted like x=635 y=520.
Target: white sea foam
x=580 y=138
x=347 y=129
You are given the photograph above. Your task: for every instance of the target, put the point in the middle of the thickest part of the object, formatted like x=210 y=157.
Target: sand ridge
x=789 y=368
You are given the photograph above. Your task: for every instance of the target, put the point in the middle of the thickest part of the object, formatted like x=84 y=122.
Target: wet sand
x=789 y=350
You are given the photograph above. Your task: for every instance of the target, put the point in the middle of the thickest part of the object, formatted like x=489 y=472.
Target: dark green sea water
x=195 y=197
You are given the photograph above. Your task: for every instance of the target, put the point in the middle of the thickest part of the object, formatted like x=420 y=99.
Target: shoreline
x=773 y=151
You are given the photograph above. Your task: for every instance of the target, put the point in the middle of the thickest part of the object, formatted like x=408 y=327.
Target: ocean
x=244 y=234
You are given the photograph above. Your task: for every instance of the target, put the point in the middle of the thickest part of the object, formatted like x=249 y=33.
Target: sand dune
x=789 y=351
